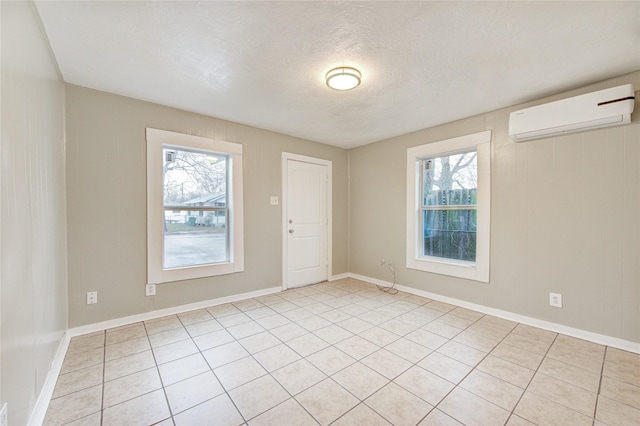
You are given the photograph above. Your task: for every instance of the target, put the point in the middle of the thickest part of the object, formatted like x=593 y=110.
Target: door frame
x=286 y=156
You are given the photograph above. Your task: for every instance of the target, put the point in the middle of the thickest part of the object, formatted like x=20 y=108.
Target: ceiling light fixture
x=343 y=78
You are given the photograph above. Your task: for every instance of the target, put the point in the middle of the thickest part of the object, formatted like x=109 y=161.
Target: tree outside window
x=195 y=207
x=449 y=199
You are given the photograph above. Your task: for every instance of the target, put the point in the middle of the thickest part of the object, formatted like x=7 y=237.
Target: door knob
x=291 y=231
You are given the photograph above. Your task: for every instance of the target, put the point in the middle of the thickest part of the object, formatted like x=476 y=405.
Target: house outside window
x=448 y=207
x=194 y=207
x=195 y=185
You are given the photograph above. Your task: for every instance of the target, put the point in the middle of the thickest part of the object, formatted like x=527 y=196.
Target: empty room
x=319 y=213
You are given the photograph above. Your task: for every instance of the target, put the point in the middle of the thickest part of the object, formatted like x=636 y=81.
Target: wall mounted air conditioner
x=604 y=108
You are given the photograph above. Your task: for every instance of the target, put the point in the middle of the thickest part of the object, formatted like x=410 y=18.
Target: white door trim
x=286 y=156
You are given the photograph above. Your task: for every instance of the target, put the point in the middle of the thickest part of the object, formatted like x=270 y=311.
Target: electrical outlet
x=555 y=300
x=92 y=297
x=274 y=200
x=150 y=290
x=4 y=418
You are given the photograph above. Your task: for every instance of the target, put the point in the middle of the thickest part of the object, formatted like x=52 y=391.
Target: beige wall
x=32 y=226
x=545 y=194
x=565 y=218
x=565 y=213
x=106 y=202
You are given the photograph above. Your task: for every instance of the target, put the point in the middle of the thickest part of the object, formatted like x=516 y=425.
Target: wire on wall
x=389 y=289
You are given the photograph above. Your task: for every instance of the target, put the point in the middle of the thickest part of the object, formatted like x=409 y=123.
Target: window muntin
x=449 y=201
x=444 y=214
x=194 y=207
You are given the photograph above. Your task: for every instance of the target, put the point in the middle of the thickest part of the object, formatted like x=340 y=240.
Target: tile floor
x=342 y=353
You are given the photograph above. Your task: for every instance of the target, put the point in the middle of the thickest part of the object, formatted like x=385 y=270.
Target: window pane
x=195 y=238
x=450 y=180
x=194 y=178
x=450 y=234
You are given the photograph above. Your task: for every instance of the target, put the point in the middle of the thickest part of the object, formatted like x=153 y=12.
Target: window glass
x=195 y=183
x=191 y=240
x=450 y=234
x=197 y=178
x=450 y=180
x=449 y=199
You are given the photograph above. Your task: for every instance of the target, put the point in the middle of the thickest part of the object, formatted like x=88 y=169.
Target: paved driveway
x=184 y=249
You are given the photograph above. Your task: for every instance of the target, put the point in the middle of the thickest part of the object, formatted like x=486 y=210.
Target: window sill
x=444 y=261
x=458 y=269
x=193 y=272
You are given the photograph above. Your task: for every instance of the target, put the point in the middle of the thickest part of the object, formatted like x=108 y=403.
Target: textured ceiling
x=263 y=63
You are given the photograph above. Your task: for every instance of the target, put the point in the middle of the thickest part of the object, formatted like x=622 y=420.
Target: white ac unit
x=604 y=108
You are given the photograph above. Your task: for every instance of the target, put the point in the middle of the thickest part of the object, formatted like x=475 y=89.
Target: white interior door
x=306 y=221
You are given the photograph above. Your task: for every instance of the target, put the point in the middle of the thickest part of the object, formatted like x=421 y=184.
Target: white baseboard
x=372 y=280
x=602 y=339
x=90 y=328
x=40 y=409
x=339 y=277
x=42 y=403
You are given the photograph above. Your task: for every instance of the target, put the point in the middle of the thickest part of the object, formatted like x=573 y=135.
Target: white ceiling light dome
x=343 y=78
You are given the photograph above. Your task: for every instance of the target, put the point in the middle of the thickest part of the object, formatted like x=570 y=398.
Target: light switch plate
x=274 y=200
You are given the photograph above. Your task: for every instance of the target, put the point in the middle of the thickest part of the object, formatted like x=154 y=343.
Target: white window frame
x=156 y=274
x=478 y=270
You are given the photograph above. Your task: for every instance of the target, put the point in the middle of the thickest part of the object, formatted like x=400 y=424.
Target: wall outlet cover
x=555 y=300
x=92 y=297
x=274 y=200
x=150 y=290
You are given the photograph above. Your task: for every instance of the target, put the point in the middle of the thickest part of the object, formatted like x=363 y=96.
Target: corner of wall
x=33 y=268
